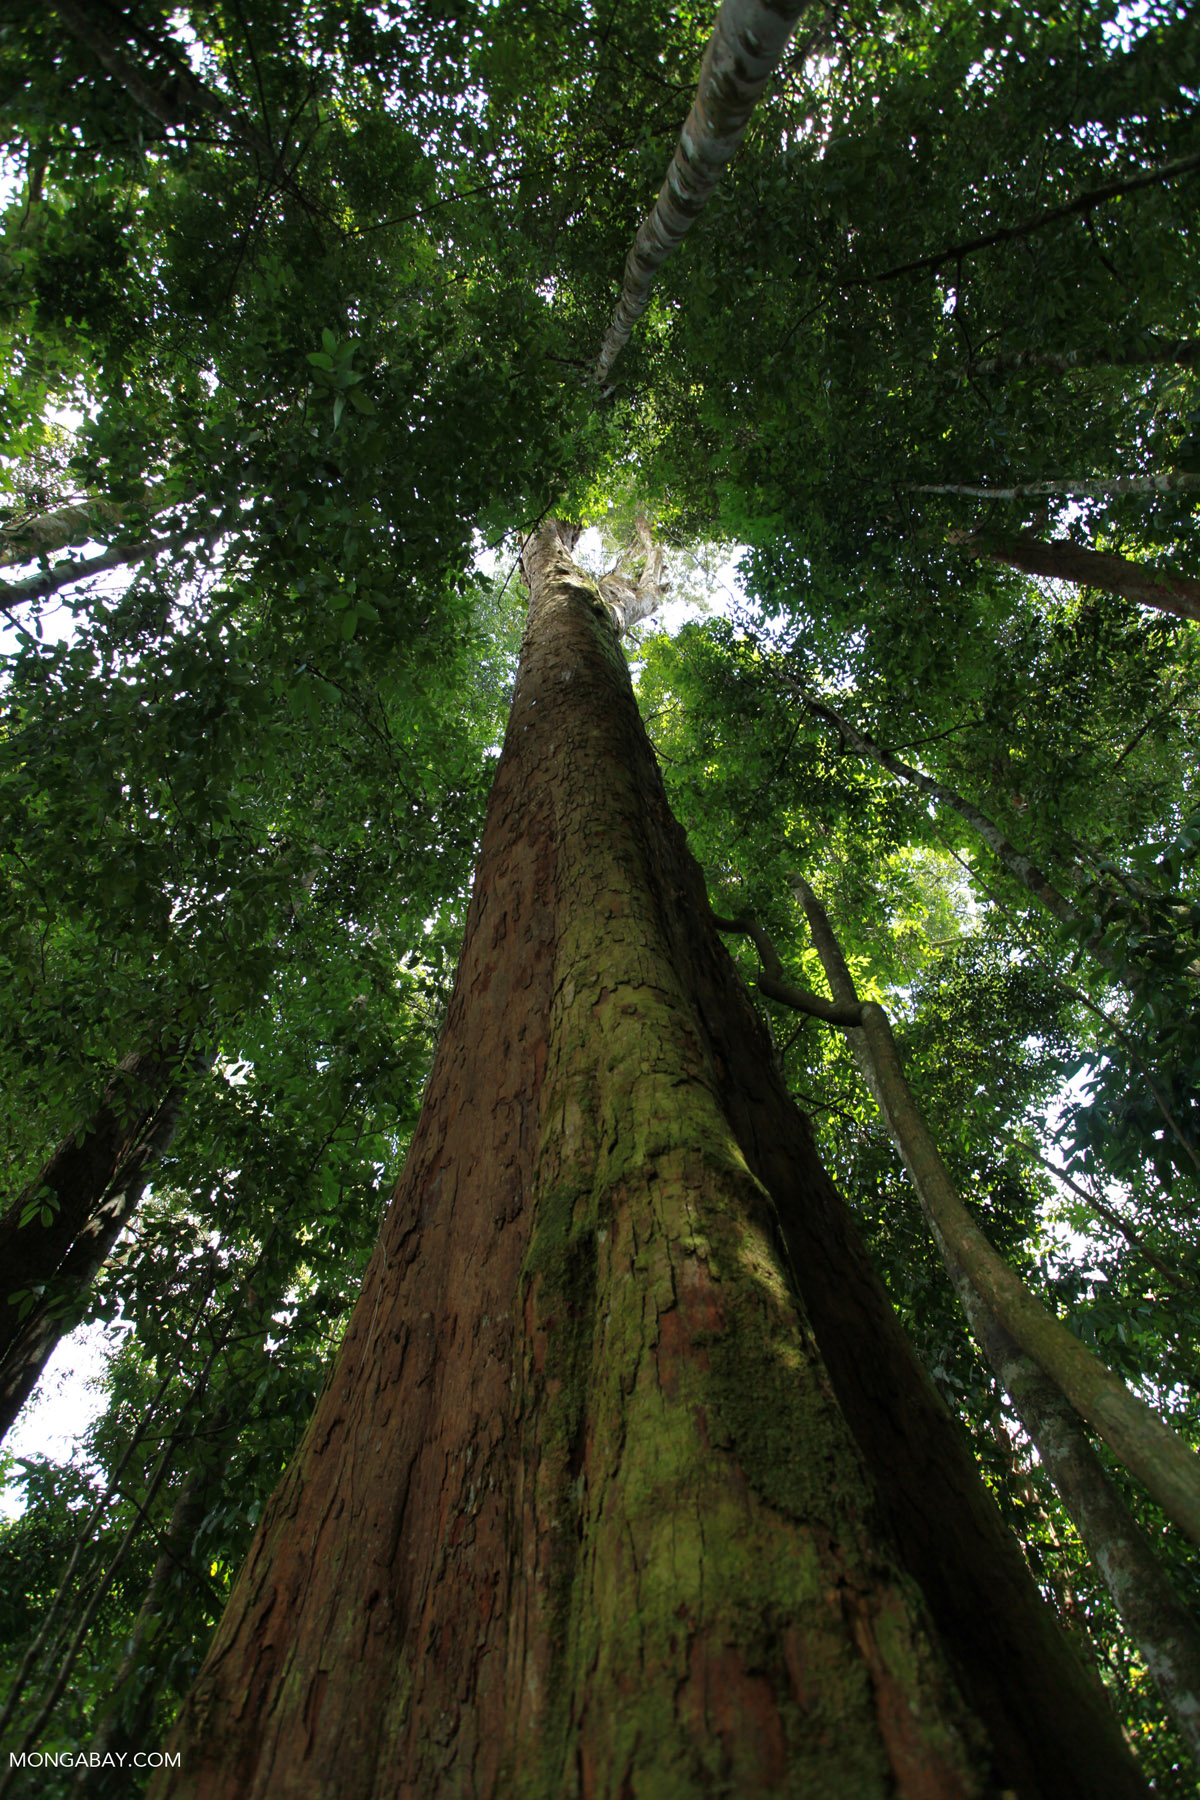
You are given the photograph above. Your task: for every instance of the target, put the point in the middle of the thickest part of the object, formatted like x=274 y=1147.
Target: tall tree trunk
x=50 y=1252
x=579 y=1512
x=749 y=38
x=1061 y=560
x=126 y=1723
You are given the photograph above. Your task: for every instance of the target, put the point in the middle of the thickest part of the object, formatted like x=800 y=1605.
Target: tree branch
x=1082 y=203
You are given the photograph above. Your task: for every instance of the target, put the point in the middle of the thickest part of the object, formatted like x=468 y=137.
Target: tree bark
x=579 y=1512
x=742 y=54
x=94 y=1181
x=1060 y=560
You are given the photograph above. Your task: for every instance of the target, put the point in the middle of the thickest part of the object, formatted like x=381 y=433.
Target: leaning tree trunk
x=1058 y=559
x=583 y=1510
x=51 y=1251
x=1161 y=1626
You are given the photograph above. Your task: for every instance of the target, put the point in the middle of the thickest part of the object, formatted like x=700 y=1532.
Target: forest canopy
x=302 y=309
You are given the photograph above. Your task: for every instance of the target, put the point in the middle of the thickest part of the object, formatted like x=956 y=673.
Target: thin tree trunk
x=1183 y=351
x=1186 y=1283
x=1147 y=1447
x=742 y=54
x=126 y=1723
x=1165 y=1632
x=1006 y=234
x=1163 y=1629
x=1171 y=481
x=91 y=1186
x=1060 y=560
x=579 y=1512
x=38 y=1332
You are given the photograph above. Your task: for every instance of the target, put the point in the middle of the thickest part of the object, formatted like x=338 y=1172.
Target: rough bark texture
x=579 y=1512
x=1059 y=559
x=95 y=1179
x=742 y=54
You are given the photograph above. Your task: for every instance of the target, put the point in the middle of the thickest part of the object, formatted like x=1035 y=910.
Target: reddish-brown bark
x=579 y=1512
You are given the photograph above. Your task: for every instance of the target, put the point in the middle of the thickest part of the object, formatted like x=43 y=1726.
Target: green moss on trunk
x=580 y=1512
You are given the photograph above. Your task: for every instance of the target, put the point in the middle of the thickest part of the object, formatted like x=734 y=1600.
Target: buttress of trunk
x=92 y=1184
x=1058 y=559
x=581 y=1510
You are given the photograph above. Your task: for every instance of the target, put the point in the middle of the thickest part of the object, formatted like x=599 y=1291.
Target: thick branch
x=772 y=984
x=74 y=523
x=64 y=574
x=742 y=54
x=1058 y=559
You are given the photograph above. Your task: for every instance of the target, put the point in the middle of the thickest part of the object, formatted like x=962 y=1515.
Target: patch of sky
x=66 y=1401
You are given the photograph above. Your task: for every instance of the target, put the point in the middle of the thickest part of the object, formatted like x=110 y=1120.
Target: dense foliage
x=300 y=303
